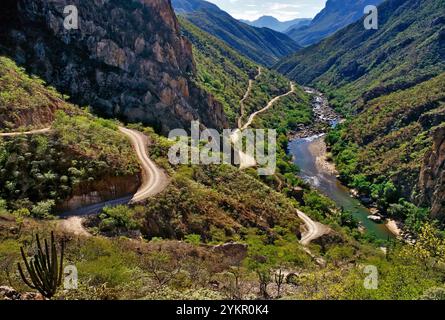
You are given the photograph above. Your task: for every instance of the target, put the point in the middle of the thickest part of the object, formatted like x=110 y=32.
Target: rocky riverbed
x=324 y=116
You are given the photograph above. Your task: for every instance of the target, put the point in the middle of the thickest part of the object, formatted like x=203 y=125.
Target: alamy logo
x=71 y=20
x=371 y=21
x=71 y=278
x=250 y=148
x=371 y=281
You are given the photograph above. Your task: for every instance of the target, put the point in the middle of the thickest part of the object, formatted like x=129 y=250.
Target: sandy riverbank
x=393 y=226
x=318 y=150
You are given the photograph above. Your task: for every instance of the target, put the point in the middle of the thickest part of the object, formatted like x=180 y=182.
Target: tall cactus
x=45 y=271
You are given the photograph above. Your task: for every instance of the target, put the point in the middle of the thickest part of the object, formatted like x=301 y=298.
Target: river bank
x=394 y=226
x=310 y=154
x=318 y=149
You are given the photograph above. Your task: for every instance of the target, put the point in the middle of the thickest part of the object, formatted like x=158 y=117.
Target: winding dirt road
x=154 y=180
x=247 y=161
x=25 y=133
x=268 y=106
x=314 y=229
x=73 y=225
x=246 y=95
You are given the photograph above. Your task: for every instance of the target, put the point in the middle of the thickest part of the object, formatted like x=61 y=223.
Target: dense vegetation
x=288 y=113
x=267 y=86
x=407 y=48
x=119 y=268
x=380 y=151
x=25 y=102
x=262 y=45
x=405 y=272
x=220 y=69
x=216 y=202
x=79 y=150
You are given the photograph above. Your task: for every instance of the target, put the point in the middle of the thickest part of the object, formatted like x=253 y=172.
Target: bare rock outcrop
x=8 y=293
x=108 y=188
x=127 y=59
x=235 y=251
x=431 y=185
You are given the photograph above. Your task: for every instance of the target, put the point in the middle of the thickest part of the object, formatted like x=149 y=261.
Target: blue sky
x=281 y=9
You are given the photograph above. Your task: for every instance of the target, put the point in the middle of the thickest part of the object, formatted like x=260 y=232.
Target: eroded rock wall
x=127 y=59
x=431 y=186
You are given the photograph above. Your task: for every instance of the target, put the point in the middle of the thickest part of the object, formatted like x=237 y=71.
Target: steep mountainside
x=24 y=102
x=81 y=160
x=392 y=81
x=277 y=25
x=262 y=45
x=225 y=73
x=385 y=146
x=299 y=24
x=127 y=59
x=431 y=186
x=408 y=48
x=336 y=15
x=221 y=70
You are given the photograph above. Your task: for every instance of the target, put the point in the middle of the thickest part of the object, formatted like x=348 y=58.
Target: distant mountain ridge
x=336 y=15
x=277 y=25
x=262 y=45
x=408 y=48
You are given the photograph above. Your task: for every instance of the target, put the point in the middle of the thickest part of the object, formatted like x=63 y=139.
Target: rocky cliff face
x=336 y=15
x=127 y=59
x=431 y=184
x=108 y=188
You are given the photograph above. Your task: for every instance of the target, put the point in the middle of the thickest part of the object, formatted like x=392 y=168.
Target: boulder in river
x=375 y=218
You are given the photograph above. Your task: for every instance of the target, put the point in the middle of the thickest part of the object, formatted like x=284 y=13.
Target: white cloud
x=281 y=9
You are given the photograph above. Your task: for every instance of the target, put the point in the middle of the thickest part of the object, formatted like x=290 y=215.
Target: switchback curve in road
x=314 y=229
x=154 y=180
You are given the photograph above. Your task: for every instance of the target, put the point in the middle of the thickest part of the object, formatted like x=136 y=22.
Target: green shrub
x=119 y=217
x=43 y=209
x=435 y=293
x=193 y=239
